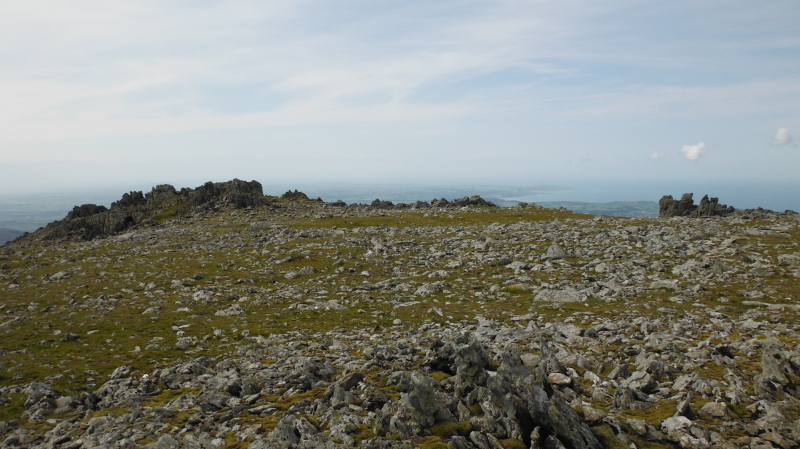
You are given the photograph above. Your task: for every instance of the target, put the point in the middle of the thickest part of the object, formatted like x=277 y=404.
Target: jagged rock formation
x=236 y=194
x=297 y=195
x=685 y=207
x=89 y=221
x=474 y=201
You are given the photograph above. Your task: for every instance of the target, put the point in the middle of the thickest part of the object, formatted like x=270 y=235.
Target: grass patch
x=654 y=415
x=14 y=407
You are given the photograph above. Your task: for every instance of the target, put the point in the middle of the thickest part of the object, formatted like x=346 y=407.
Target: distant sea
x=28 y=212
x=778 y=197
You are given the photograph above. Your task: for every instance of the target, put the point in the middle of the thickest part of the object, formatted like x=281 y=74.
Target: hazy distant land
x=7 y=235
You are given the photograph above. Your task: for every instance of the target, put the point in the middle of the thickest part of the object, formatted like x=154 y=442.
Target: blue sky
x=135 y=93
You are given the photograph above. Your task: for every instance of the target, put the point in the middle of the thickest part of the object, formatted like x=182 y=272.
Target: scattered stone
x=234 y=310
x=432 y=345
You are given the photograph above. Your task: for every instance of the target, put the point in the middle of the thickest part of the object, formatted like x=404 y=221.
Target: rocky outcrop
x=685 y=207
x=474 y=200
x=236 y=194
x=297 y=195
x=467 y=201
x=90 y=221
x=378 y=204
x=86 y=210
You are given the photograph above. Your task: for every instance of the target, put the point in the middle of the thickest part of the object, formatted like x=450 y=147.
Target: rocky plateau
x=218 y=317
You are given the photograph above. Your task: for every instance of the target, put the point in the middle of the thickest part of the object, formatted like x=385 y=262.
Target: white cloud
x=656 y=156
x=694 y=152
x=782 y=137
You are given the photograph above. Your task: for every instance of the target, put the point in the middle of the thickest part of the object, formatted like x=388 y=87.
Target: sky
x=138 y=93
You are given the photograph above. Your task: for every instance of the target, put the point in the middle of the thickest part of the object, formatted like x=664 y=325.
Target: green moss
x=476 y=409
x=439 y=375
x=607 y=438
x=741 y=411
x=430 y=443
x=447 y=430
x=512 y=443
x=364 y=433
x=232 y=441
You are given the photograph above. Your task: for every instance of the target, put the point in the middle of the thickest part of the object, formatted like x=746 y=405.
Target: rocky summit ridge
x=218 y=317
x=685 y=207
x=90 y=221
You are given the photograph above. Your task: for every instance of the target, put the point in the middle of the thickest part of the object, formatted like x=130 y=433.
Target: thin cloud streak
x=337 y=67
x=499 y=78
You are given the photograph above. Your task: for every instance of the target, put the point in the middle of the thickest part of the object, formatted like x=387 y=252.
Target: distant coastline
x=30 y=211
